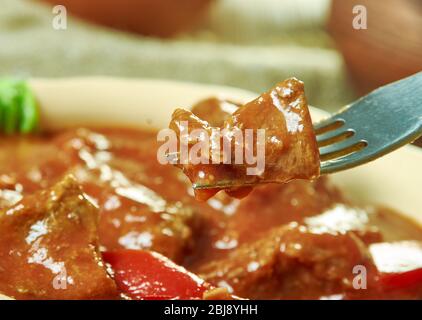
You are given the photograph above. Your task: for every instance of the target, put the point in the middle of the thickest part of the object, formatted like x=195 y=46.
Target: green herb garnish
x=19 y=111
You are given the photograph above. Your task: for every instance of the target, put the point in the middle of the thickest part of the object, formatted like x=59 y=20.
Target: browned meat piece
x=291 y=149
x=215 y=111
x=49 y=247
x=289 y=143
x=168 y=229
x=291 y=262
x=116 y=171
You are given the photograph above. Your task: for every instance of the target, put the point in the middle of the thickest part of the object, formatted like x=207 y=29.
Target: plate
x=394 y=181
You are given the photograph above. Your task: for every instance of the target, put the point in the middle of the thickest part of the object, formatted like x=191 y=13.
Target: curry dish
x=89 y=213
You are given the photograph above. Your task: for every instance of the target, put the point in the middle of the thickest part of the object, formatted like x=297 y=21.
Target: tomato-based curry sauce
x=67 y=197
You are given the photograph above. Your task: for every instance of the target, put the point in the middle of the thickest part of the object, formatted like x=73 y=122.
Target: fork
x=368 y=128
x=372 y=126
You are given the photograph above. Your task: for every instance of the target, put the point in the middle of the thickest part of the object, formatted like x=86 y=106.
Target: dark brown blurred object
x=391 y=47
x=418 y=142
x=163 y=18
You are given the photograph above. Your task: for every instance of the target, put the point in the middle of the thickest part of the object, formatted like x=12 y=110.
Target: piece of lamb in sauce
x=294 y=262
x=49 y=247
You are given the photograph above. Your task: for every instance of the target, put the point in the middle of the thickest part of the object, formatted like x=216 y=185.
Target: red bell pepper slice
x=146 y=275
x=403 y=280
x=399 y=264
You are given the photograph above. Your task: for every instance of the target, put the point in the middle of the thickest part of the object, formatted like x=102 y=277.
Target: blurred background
x=251 y=44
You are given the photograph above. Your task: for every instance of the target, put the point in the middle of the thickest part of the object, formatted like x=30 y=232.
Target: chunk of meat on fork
x=280 y=124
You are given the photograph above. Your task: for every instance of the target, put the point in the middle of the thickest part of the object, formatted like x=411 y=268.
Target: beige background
x=242 y=44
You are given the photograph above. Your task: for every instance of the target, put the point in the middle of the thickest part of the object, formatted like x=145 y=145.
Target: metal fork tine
x=342 y=148
x=327 y=125
x=342 y=163
x=334 y=136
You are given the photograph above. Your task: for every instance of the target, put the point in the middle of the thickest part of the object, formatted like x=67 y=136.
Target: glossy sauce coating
x=275 y=130
x=49 y=247
x=144 y=205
